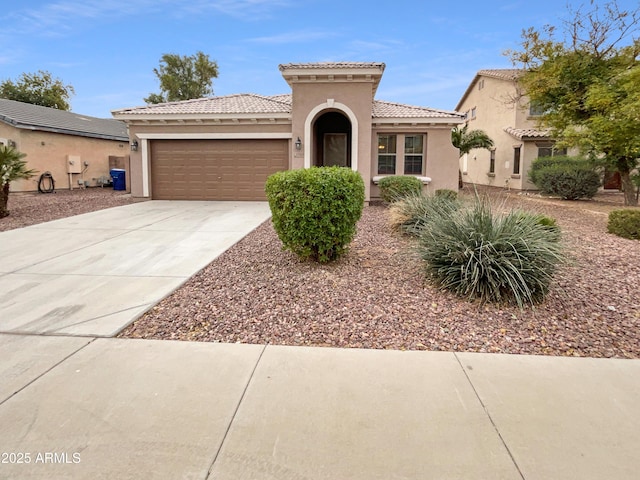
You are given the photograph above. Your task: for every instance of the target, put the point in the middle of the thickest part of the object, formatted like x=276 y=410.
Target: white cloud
x=293 y=37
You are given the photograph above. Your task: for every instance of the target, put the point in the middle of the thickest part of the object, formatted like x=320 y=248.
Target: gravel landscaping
x=30 y=208
x=376 y=295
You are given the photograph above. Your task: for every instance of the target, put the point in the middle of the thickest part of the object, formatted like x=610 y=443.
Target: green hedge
x=396 y=187
x=625 y=223
x=315 y=210
x=566 y=177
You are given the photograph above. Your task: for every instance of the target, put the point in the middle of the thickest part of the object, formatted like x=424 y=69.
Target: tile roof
x=242 y=103
x=323 y=65
x=503 y=73
x=383 y=109
x=526 y=133
x=34 y=117
x=249 y=103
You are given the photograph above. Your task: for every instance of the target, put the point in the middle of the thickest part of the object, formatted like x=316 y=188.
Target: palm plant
x=12 y=167
x=466 y=140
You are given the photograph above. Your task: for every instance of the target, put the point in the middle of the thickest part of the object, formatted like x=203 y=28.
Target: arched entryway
x=332 y=134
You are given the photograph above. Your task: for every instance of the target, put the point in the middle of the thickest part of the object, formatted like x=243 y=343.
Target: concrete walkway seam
x=486 y=410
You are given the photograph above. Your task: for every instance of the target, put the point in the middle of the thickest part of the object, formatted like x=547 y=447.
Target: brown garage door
x=214 y=169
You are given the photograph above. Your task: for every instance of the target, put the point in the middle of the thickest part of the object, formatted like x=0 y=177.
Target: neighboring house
x=494 y=103
x=76 y=149
x=224 y=148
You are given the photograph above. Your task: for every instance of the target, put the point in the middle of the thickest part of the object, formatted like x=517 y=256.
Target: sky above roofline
x=107 y=50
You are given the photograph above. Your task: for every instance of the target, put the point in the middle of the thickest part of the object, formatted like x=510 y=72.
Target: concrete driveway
x=93 y=274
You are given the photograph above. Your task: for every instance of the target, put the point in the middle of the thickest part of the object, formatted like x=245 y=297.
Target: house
x=224 y=148
x=77 y=150
x=494 y=103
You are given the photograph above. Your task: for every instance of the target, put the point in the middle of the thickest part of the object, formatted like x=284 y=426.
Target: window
x=413 y=154
x=492 y=162
x=535 y=109
x=386 y=154
x=516 y=160
x=473 y=112
x=481 y=84
x=548 y=150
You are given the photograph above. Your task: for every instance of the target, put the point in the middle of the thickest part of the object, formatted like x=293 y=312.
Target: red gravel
x=376 y=296
x=30 y=208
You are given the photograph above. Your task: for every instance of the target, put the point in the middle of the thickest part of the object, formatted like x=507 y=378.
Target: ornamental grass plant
x=478 y=254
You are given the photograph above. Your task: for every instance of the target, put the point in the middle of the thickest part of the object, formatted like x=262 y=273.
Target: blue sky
x=107 y=49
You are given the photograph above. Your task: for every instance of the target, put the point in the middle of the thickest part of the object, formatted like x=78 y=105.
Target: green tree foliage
x=184 y=77
x=12 y=167
x=38 y=89
x=588 y=85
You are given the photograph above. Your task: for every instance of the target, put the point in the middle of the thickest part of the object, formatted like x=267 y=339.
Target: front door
x=335 y=150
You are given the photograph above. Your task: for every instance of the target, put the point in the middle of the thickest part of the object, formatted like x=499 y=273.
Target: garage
x=234 y=169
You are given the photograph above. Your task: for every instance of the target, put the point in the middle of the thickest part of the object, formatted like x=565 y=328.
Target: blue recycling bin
x=119 y=178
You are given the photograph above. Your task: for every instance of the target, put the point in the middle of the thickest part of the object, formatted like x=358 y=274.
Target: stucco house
x=224 y=148
x=494 y=103
x=77 y=149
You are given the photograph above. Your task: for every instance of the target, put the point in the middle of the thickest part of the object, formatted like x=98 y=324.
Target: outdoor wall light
x=12 y=144
x=134 y=146
x=298 y=144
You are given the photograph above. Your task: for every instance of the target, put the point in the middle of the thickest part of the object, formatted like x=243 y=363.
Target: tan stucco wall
x=497 y=107
x=48 y=151
x=357 y=97
x=440 y=156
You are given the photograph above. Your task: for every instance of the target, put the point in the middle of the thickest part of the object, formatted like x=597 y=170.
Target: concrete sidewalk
x=76 y=406
x=128 y=409
x=93 y=274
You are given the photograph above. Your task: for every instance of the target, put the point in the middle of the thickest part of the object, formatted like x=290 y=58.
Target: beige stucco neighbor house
x=494 y=103
x=77 y=149
x=224 y=148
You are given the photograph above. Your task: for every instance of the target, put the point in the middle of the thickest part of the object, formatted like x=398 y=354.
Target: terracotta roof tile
x=526 y=133
x=383 y=109
x=230 y=104
x=502 y=73
x=321 y=65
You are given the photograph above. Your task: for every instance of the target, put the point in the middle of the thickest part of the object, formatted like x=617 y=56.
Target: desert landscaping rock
x=376 y=295
x=31 y=208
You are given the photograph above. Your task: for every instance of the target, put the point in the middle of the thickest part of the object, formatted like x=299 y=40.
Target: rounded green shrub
x=476 y=254
x=445 y=192
x=625 y=223
x=315 y=210
x=566 y=177
x=395 y=187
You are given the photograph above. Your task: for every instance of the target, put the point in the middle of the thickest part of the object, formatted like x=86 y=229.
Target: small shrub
x=566 y=177
x=625 y=223
x=414 y=212
x=315 y=210
x=445 y=192
x=476 y=254
x=396 y=187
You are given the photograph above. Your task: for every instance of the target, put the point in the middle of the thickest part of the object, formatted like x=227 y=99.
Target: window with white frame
x=387 y=154
x=413 y=154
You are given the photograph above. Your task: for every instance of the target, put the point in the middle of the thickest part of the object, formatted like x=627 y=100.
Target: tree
x=184 y=77
x=12 y=167
x=38 y=89
x=466 y=140
x=589 y=85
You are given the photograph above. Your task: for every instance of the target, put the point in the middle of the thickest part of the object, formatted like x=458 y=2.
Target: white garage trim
x=144 y=149
x=331 y=104
x=215 y=136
